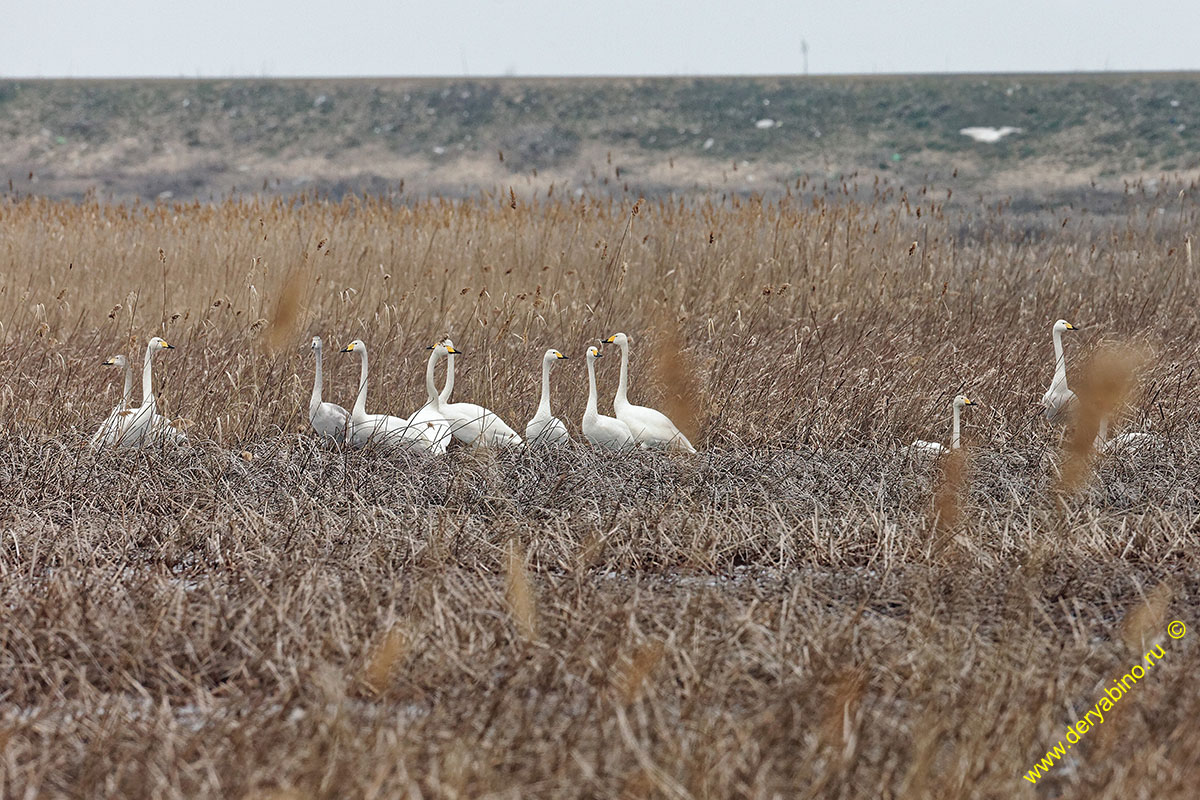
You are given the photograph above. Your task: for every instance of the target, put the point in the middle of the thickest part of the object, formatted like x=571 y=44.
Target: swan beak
x=599 y=355
x=560 y=355
x=348 y=348
x=610 y=339
x=166 y=346
x=108 y=362
x=1071 y=327
x=452 y=350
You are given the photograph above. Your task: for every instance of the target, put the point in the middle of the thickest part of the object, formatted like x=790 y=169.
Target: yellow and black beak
x=560 y=355
x=452 y=351
x=108 y=362
x=166 y=346
x=969 y=402
x=1071 y=327
x=348 y=348
x=611 y=339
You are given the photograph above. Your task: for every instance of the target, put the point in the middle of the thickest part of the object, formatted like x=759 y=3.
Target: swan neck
x=623 y=384
x=954 y=433
x=431 y=392
x=1060 y=362
x=127 y=397
x=445 y=395
x=544 y=404
x=317 y=380
x=147 y=381
x=360 y=402
x=591 y=401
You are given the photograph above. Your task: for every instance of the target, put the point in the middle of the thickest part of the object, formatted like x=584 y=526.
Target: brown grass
x=257 y=615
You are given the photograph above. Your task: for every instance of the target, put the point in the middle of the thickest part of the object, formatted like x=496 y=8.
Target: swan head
x=962 y=401
x=593 y=353
x=115 y=361
x=619 y=339
x=316 y=344
x=552 y=356
x=157 y=343
x=443 y=348
x=354 y=347
x=1062 y=325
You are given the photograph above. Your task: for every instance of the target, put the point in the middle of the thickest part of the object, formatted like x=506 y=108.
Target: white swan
x=329 y=420
x=607 y=432
x=470 y=423
x=1122 y=441
x=651 y=428
x=382 y=429
x=145 y=425
x=545 y=428
x=431 y=413
x=113 y=426
x=937 y=448
x=1059 y=401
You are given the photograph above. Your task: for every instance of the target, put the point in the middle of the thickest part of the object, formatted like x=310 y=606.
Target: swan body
x=329 y=420
x=382 y=429
x=114 y=425
x=545 y=428
x=937 y=448
x=652 y=428
x=1122 y=441
x=469 y=423
x=163 y=431
x=1059 y=401
x=602 y=431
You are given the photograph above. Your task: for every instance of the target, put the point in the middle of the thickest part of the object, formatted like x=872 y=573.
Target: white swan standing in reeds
x=382 y=429
x=602 y=431
x=1059 y=401
x=545 y=428
x=651 y=428
x=470 y=423
x=114 y=425
x=146 y=425
x=431 y=413
x=329 y=420
x=937 y=448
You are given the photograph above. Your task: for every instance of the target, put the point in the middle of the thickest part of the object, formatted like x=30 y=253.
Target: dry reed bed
x=783 y=615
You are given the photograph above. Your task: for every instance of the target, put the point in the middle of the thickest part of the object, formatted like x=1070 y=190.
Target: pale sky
x=281 y=38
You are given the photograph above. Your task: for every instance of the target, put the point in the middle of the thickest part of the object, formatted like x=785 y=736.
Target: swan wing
x=1059 y=403
x=652 y=428
x=138 y=426
x=546 y=430
x=607 y=432
x=1126 y=441
x=437 y=427
x=329 y=421
x=923 y=447
x=109 y=432
x=388 y=431
x=474 y=424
